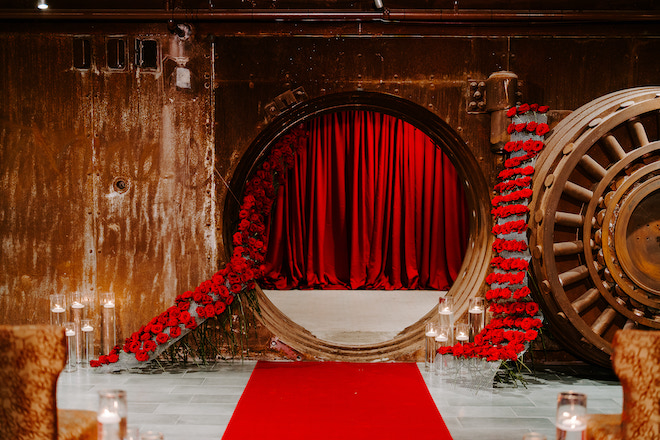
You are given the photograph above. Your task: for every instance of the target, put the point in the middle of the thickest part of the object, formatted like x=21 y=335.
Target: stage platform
x=355 y=317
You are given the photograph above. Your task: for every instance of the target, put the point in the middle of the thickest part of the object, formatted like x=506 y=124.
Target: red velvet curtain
x=371 y=203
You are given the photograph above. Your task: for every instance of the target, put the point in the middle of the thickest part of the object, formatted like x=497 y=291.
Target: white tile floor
x=197 y=403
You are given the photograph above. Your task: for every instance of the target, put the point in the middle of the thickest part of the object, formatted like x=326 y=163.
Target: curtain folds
x=371 y=203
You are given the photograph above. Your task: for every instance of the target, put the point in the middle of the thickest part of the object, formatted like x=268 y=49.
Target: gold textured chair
x=31 y=359
x=636 y=361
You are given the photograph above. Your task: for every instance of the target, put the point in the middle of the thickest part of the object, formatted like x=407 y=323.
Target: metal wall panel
x=107 y=178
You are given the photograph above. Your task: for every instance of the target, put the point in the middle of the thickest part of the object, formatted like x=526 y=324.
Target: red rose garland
x=212 y=297
x=516 y=317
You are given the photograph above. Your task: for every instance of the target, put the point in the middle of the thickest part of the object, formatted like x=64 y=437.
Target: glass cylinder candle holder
x=442 y=340
x=111 y=415
x=571 y=420
x=70 y=332
x=57 y=309
x=132 y=433
x=461 y=333
x=87 y=332
x=77 y=313
x=446 y=313
x=476 y=316
x=430 y=332
x=108 y=333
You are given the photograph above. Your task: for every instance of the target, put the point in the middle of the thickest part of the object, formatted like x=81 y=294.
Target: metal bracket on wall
x=284 y=101
x=476 y=97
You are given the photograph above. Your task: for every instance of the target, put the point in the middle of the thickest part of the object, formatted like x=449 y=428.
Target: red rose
x=145 y=336
x=218 y=278
x=511 y=112
x=542 y=129
x=531 y=126
x=172 y=322
x=175 y=332
x=156 y=328
x=444 y=350
x=219 y=307
x=185 y=316
x=520 y=127
x=149 y=346
x=201 y=312
x=209 y=310
x=162 y=338
x=112 y=358
x=141 y=356
x=134 y=346
x=94 y=363
x=531 y=308
x=543 y=108
x=103 y=359
x=192 y=324
x=533 y=107
x=236 y=288
x=524 y=108
x=530 y=335
x=228 y=300
x=511 y=128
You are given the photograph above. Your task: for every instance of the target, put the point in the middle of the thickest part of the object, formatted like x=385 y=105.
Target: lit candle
x=77 y=305
x=432 y=333
x=87 y=328
x=573 y=423
x=462 y=337
x=108 y=335
x=57 y=309
x=441 y=338
x=108 y=428
x=70 y=332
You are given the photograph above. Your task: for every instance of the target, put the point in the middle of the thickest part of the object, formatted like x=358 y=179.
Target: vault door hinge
x=284 y=101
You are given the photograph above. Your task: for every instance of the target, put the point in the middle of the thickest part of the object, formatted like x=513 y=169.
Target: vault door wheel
x=596 y=224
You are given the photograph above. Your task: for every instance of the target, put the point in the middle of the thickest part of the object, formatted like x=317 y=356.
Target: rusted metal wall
x=68 y=135
x=107 y=176
x=563 y=66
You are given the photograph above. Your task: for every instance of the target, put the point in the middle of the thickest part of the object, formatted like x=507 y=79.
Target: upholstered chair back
x=636 y=361
x=31 y=358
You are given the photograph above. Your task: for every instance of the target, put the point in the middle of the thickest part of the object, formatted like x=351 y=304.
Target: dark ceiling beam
x=395 y=15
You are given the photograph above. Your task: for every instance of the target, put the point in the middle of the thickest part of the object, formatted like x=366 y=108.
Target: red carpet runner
x=331 y=400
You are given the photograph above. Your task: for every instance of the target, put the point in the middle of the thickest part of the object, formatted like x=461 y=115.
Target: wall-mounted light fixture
x=41 y=4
